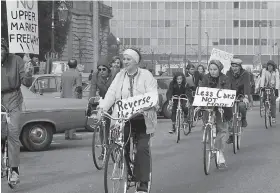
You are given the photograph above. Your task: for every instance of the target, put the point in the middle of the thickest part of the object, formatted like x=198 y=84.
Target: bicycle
x=126 y=167
x=236 y=124
x=180 y=116
x=261 y=103
x=267 y=106
x=100 y=140
x=209 y=136
x=6 y=170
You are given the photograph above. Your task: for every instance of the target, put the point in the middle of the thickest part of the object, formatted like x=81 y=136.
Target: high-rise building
x=158 y=27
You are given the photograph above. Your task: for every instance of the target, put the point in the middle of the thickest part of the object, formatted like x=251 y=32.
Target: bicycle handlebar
x=209 y=110
x=176 y=97
x=105 y=114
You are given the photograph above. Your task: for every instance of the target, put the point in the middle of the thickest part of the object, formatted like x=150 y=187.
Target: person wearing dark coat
x=177 y=87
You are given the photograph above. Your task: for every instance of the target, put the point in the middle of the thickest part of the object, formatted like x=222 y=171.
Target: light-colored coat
x=144 y=82
x=270 y=79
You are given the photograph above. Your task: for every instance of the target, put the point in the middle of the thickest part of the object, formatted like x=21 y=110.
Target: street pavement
x=177 y=168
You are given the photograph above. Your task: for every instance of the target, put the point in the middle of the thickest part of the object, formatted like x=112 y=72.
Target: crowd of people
x=123 y=78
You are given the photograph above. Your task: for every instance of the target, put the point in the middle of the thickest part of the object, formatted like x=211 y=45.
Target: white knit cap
x=133 y=54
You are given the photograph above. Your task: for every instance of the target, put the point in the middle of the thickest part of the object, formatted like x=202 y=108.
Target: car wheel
x=167 y=114
x=37 y=136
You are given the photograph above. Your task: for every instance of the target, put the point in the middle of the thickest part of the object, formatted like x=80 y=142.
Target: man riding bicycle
x=239 y=81
x=13 y=75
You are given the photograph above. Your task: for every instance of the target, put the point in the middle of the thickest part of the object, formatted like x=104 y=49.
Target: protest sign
x=211 y=97
x=127 y=107
x=22 y=19
x=222 y=56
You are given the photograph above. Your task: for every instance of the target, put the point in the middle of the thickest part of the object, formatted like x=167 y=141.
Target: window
x=154 y=5
x=250 y=23
x=174 y=41
x=120 y=5
x=250 y=5
x=256 y=42
x=215 y=5
x=161 y=41
x=235 y=23
x=242 y=5
x=154 y=23
x=161 y=5
x=250 y=42
x=126 y=41
x=264 y=42
x=147 y=5
x=235 y=41
x=257 y=5
x=167 y=41
x=242 y=41
x=140 y=23
x=126 y=5
x=194 y=5
x=265 y=23
x=243 y=23
x=140 y=41
x=147 y=23
x=174 y=5
x=228 y=41
x=257 y=23
x=222 y=42
x=208 y=5
x=133 y=41
x=236 y=5
x=215 y=43
x=140 y=5
x=133 y=5
x=146 y=41
x=264 y=5
x=167 y=23
x=173 y=23
x=188 y=5
x=181 y=5
x=167 y=5
x=160 y=23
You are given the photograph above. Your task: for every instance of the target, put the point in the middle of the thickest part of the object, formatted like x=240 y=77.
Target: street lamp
x=186 y=46
x=207 y=44
x=63 y=12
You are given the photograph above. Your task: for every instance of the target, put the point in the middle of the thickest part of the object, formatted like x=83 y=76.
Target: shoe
x=273 y=120
x=221 y=160
x=244 y=122
x=142 y=188
x=230 y=139
x=14 y=178
x=172 y=130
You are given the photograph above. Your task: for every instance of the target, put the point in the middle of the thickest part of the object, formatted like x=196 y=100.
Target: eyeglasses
x=102 y=69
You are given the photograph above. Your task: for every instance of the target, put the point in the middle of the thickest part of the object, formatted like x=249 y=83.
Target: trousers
x=13 y=137
x=142 y=158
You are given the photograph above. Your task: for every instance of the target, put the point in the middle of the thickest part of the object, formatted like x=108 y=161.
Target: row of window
x=252 y=23
x=180 y=41
x=188 y=5
x=236 y=41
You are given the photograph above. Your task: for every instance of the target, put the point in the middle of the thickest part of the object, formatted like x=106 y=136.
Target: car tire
x=167 y=114
x=37 y=136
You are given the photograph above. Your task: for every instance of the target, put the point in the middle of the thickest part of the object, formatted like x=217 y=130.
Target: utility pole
x=199 y=32
x=260 y=39
x=185 y=58
x=271 y=39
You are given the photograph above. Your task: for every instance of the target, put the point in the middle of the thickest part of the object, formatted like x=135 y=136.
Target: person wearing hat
x=13 y=75
x=133 y=81
x=216 y=79
x=270 y=78
x=240 y=81
x=71 y=87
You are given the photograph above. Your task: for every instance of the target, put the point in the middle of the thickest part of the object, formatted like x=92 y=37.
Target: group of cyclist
x=121 y=79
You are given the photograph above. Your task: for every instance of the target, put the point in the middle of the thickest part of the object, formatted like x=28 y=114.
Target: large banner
x=223 y=56
x=214 y=97
x=22 y=18
x=127 y=107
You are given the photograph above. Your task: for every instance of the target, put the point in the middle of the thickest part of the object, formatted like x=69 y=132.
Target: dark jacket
x=241 y=83
x=175 y=90
x=222 y=83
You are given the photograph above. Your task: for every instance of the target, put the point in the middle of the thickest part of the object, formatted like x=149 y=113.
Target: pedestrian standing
x=116 y=65
x=71 y=87
x=13 y=75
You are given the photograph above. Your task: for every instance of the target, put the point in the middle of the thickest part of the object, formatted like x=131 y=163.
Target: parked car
x=163 y=84
x=43 y=116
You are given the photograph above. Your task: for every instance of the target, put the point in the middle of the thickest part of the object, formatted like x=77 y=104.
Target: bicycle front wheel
x=178 y=126
x=115 y=174
x=207 y=150
x=234 y=133
x=239 y=132
x=261 y=105
x=98 y=151
x=266 y=115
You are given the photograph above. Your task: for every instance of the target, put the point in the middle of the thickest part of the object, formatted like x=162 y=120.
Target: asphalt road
x=177 y=168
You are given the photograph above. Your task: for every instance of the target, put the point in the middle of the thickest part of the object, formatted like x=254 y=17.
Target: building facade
x=158 y=28
x=88 y=32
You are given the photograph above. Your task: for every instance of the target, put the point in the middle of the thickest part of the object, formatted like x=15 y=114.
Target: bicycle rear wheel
x=234 y=133
x=178 y=126
x=115 y=174
x=261 y=105
x=207 y=152
x=97 y=147
x=239 y=133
